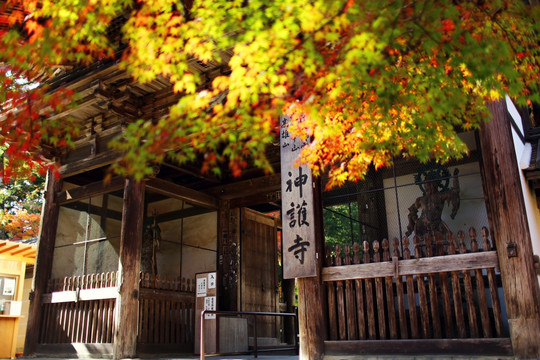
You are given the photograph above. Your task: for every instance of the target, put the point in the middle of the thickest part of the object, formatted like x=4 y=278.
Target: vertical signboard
x=298 y=247
x=206 y=300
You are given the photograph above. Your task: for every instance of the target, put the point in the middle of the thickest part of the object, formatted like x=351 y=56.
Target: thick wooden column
x=311 y=294
x=227 y=264
x=44 y=258
x=127 y=305
x=506 y=210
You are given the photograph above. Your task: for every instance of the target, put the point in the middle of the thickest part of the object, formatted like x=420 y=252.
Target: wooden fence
x=443 y=290
x=166 y=314
x=79 y=309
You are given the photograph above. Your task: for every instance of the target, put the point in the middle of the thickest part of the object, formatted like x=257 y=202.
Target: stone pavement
x=295 y=357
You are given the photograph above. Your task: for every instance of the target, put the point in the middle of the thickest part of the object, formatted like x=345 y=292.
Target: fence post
x=201 y=338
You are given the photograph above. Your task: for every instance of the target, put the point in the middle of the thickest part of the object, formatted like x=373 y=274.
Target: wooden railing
x=443 y=290
x=79 y=309
x=166 y=314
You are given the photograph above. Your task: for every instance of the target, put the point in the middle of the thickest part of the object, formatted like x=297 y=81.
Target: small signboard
x=201 y=286
x=299 y=255
x=212 y=281
x=206 y=300
x=210 y=304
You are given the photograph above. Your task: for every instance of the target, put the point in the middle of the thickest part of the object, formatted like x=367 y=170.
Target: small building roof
x=18 y=251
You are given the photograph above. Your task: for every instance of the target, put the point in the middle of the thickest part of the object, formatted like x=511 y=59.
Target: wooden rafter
x=14 y=251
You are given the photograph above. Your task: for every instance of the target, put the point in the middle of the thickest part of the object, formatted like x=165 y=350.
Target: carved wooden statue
x=150 y=246
x=431 y=204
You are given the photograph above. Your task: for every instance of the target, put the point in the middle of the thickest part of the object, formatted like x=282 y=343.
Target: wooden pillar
x=44 y=258
x=506 y=210
x=311 y=295
x=227 y=266
x=127 y=305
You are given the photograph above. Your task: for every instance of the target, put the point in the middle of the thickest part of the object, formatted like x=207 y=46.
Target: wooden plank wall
x=445 y=291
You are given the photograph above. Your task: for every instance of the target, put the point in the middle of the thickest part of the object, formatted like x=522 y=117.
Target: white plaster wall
x=198 y=234
x=471 y=213
x=533 y=213
x=72 y=224
x=200 y=250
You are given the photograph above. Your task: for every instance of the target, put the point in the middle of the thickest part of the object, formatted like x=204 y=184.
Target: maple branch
x=495 y=21
x=309 y=36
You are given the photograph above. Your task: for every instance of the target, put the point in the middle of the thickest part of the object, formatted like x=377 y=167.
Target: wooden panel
x=258 y=278
x=233 y=335
x=469 y=261
x=8 y=339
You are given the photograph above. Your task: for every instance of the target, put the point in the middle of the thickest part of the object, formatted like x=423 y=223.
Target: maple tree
x=19 y=225
x=20 y=213
x=365 y=80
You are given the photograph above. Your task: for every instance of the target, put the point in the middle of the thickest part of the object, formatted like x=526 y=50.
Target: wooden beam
x=470 y=261
x=191 y=196
x=272 y=197
x=166 y=295
x=127 y=304
x=4 y=248
x=508 y=220
x=21 y=258
x=81 y=295
x=354 y=348
x=246 y=188
x=88 y=101
x=92 y=162
x=86 y=191
x=42 y=270
x=94 y=210
x=182 y=214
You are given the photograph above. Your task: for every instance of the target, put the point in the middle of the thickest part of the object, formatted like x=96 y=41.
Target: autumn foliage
x=365 y=80
x=19 y=225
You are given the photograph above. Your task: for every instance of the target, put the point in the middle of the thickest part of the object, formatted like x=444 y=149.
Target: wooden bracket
x=511 y=250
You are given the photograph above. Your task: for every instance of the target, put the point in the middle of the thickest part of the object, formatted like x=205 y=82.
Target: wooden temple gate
x=81 y=309
x=443 y=297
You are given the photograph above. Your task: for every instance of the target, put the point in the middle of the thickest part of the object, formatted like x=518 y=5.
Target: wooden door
x=258 y=274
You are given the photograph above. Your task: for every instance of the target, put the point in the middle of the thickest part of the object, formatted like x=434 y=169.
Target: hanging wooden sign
x=298 y=240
